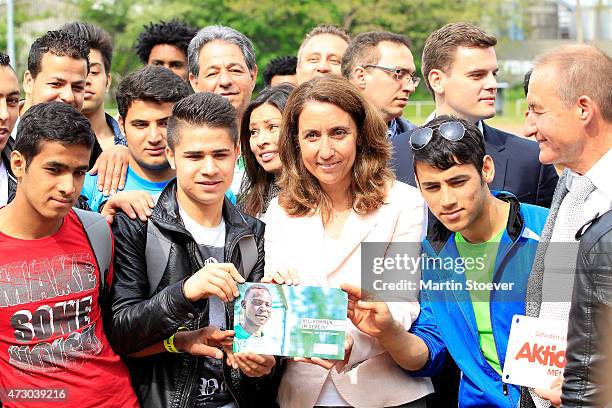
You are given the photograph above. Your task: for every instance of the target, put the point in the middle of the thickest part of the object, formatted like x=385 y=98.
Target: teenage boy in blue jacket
x=457 y=317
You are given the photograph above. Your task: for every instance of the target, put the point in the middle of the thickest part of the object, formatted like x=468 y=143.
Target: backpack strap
x=249 y=254
x=157 y=253
x=99 y=236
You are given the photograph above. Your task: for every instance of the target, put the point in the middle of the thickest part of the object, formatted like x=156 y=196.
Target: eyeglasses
x=399 y=73
x=451 y=131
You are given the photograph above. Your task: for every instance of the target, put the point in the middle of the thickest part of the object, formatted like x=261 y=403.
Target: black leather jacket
x=587 y=370
x=165 y=379
x=5 y=156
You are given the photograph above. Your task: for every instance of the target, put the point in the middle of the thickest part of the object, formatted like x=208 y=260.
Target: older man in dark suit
x=460 y=69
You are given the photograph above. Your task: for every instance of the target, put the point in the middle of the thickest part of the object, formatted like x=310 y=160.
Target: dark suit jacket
x=517 y=167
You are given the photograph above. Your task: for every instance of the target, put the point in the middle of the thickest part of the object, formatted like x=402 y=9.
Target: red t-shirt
x=53 y=350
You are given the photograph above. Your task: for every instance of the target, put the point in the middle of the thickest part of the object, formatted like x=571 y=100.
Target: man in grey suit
x=570 y=116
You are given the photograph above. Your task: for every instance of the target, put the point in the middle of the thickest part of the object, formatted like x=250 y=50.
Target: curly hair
x=59 y=43
x=171 y=32
x=300 y=192
x=5 y=60
x=279 y=66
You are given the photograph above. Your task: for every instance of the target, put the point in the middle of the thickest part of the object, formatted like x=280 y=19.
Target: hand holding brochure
x=293 y=321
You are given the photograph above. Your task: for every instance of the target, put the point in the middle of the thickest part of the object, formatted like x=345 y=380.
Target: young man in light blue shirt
x=145 y=99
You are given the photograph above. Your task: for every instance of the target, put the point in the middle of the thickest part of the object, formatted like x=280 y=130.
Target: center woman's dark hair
x=444 y=154
x=258 y=185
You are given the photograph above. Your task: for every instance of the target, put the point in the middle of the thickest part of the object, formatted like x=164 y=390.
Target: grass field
x=511 y=121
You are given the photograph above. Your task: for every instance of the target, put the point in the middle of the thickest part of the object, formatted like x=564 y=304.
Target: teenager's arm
x=375 y=319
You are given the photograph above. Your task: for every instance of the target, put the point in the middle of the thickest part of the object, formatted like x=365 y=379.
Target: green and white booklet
x=292 y=321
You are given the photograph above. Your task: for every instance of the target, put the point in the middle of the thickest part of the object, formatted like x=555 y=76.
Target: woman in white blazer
x=337 y=192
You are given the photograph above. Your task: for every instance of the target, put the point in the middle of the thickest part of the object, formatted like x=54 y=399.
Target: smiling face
x=328 y=144
x=556 y=128
x=264 y=125
x=144 y=127
x=321 y=55
x=223 y=70
x=97 y=84
x=171 y=57
x=382 y=89
x=9 y=103
x=469 y=88
x=455 y=196
x=257 y=307
x=204 y=160
x=60 y=79
x=51 y=181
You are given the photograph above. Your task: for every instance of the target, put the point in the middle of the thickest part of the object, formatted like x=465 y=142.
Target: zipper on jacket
x=491 y=293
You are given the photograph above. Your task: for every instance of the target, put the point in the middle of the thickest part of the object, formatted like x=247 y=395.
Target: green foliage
x=277 y=27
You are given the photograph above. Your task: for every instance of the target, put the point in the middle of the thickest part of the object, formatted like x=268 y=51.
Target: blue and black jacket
x=447 y=323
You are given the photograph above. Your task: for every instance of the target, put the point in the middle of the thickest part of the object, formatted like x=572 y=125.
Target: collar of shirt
x=598 y=175
x=432 y=115
x=119 y=138
x=392 y=128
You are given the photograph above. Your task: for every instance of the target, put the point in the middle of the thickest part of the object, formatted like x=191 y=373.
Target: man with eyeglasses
x=381 y=65
x=460 y=71
x=485 y=243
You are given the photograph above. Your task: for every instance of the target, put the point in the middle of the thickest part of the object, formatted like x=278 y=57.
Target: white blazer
x=372 y=378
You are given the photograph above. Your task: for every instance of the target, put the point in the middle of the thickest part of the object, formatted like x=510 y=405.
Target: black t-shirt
x=212 y=390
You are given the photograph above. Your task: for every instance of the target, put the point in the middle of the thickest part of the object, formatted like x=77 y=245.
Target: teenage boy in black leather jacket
x=176 y=274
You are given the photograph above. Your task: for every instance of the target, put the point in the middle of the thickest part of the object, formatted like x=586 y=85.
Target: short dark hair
x=5 y=60
x=52 y=122
x=256 y=286
x=362 y=50
x=171 y=32
x=279 y=66
x=59 y=43
x=444 y=154
x=202 y=109
x=150 y=84
x=440 y=46
x=96 y=38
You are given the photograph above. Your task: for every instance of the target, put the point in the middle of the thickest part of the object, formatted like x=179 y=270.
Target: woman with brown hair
x=259 y=145
x=338 y=192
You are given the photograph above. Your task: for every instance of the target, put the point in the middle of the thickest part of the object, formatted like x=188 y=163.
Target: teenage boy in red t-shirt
x=53 y=349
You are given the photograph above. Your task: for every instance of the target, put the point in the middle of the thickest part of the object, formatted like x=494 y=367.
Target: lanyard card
x=536 y=351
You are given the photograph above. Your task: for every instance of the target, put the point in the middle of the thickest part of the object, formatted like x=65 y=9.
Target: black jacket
x=169 y=380
x=587 y=371
x=5 y=156
x=517 y=167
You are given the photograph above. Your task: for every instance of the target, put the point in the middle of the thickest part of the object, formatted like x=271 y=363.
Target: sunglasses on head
x=451 y=131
